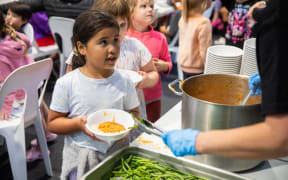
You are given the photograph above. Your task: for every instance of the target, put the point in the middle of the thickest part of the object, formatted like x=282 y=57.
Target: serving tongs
x=148 y=127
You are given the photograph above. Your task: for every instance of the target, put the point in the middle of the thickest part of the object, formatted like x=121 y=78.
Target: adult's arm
x=260 y=141
x=263 y=11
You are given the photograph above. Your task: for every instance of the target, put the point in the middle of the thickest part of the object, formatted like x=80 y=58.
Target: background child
x=195 y=34
x=94 y=85
x=133 y=54
x=18 y=15
x=13 y=54
x=142 y=16
x=42 y=33
x=240 y=25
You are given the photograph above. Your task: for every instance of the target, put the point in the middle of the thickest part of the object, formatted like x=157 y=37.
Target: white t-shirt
x=133 y=56
x=79 y=95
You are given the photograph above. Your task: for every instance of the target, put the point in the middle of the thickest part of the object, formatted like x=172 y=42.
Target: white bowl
x=132 y=75
x=103 y=115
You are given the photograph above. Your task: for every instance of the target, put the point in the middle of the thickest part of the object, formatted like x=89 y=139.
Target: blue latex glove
x=254 y=84
x=181 y=142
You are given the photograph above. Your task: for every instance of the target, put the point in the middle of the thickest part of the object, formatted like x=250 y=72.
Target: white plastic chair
x=35 y=51
x=63 y=27
x=27 y=77
x=209 y=11
x=174 y=49
x=29 y=32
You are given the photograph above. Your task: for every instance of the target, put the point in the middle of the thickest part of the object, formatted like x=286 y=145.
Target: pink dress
x=158 y=47
x=11 y=58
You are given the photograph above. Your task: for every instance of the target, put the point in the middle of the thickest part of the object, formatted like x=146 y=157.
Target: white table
x=268 y=170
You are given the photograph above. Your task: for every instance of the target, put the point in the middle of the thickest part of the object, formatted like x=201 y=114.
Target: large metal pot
x=212 y=101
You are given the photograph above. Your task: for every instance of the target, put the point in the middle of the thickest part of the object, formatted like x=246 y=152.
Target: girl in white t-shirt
x=93 y=85
x=133 y=54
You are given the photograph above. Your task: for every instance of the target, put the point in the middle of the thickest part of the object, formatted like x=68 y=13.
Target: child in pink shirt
x=195 y=34
x=142 y=18
x=13 y=54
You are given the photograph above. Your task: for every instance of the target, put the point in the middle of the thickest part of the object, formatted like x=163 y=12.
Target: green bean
x=129 y=159
x=139 y=168
x=162 y=176
x=175 y=175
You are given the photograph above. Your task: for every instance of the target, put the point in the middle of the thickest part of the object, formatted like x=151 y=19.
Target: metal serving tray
x=103 y=170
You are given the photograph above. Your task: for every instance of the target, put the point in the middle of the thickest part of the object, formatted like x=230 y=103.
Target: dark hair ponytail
x=87 y=24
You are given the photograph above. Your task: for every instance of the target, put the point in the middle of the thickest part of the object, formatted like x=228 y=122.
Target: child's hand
x=140 y=85
x=161 y=66
x=4 y=116
x=82 y=122
x=260 y=4
x=122 y=139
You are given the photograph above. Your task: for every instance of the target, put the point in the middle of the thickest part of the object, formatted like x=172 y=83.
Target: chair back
x=63 y=27
x=29 y=32
x=174 y=41
x=209 y=11
x=28 y=78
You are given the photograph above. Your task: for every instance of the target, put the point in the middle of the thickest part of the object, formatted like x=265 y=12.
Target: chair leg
x=43 y=144
x=1 y=141
x=15 y=141
x=180 y=73
x=62 y=65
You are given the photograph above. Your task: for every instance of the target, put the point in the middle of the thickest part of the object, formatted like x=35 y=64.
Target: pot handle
x=170 y=85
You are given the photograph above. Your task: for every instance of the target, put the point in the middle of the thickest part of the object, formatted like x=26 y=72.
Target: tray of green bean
x=134 y=163
x=136 y=167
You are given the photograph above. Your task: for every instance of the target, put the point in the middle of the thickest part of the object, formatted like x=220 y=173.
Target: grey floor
x=36 y=170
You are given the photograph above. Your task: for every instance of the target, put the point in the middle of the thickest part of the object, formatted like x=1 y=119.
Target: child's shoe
x=50 y=137
x=33 y=154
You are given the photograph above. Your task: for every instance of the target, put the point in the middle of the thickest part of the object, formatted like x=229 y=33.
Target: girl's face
x=143 y=13
x=14 y=20
x=102 y=50
x=123 y=24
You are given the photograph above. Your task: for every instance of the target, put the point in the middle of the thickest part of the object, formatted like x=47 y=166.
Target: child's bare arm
x=60 y=124
x=150 y=77
x=161 y=65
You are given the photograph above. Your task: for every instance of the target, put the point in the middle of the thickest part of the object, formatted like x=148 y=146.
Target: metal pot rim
x=217 y=104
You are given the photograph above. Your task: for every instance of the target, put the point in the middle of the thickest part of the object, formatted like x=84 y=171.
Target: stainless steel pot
x=212 y=101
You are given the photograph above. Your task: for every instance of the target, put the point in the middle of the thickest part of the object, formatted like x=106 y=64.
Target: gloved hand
x=254 y=84
x=181 y=142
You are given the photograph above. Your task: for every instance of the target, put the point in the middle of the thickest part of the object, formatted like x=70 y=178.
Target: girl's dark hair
x=87 y=24
x=2 y=24
x=21 y=9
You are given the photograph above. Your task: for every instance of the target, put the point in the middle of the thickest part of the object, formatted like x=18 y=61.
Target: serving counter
x=275 y=169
